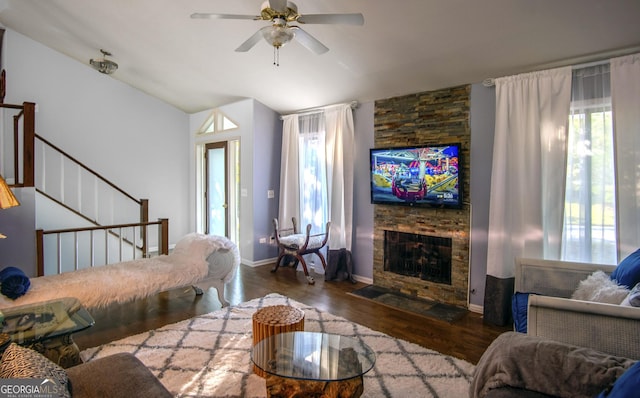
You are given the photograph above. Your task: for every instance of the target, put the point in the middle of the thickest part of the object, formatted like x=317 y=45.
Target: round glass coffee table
x=315 y=363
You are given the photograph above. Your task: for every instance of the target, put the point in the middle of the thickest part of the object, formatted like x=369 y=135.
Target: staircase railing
x=80 y=190
x=23 y=138
x=70 y=182
x=61 y=250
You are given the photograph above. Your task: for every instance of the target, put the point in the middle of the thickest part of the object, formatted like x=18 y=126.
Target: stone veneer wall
x=433 y=117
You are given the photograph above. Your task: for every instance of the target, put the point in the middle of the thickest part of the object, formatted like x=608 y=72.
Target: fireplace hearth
x=419 y=256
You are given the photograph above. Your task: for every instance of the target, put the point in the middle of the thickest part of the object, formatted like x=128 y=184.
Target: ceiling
x=404 y=46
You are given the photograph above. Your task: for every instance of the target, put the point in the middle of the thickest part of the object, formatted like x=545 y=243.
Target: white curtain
x=528 y=174
x=625 y=97
x=332 y=128
x=289 y=172
x=339 y=156
x=527 y=180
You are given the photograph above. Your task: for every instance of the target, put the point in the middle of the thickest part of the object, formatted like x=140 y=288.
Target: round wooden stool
x=271 y=320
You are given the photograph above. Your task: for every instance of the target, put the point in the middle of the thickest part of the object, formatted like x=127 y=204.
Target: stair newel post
x=163 y=236
x=144 y=218
x=39 y=252
x=28 y=165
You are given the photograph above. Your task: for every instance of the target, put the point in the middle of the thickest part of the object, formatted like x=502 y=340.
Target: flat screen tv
x=420 y=175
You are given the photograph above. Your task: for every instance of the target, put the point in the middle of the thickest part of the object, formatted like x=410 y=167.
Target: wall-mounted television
x=420 y=175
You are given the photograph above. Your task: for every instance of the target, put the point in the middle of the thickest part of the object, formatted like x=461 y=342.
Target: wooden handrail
x=163 y=237
x=79 y=163
x=99 y=227
x=68 y=208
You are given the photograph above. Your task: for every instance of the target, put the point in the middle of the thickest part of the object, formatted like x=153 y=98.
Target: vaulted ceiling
x=404 y=46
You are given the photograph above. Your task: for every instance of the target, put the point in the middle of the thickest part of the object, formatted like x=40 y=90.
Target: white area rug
x=209 y=356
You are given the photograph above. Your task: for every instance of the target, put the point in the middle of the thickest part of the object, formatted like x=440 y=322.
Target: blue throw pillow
x=626 y=386
x=627 y=273
x=519 y=307
x=13 y=282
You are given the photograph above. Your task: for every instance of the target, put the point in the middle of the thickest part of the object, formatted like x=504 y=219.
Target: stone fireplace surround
x=440 y=116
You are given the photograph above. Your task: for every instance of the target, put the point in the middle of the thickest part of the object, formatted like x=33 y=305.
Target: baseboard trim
x=368 y=281
x=259 y=262
x=476 y=308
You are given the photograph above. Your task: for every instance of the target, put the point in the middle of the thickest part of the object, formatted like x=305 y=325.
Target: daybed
x=610 y=328
x=201 y=261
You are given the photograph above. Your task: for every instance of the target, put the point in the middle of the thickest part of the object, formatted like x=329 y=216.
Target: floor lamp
x=7 y=198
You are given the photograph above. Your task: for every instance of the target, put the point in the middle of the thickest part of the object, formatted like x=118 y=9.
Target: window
x=589 y=228
x=313 y=175
x=217 y=122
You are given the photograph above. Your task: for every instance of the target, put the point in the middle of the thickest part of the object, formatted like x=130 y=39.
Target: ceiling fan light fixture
x=104 y=65
x=278 y=35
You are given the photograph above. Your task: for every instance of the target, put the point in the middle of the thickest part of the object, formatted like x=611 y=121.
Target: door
x=217 y=197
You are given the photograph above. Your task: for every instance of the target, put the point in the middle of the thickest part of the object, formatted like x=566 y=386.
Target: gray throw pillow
x=24 y=363
x=633 y=298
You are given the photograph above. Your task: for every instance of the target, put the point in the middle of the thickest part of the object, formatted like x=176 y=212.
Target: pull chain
x=276 y=56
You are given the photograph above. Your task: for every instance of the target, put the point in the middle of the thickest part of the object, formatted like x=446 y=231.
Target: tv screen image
x=425 y=175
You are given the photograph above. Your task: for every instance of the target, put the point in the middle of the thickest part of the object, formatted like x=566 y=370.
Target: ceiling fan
x=281 y=13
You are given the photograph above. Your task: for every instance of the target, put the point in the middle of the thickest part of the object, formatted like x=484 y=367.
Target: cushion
x=24 y=363
x=600 y=288
x=627 y=385
x=295 y=241
x=14 y=282
x=116 y=375
x=519 y=307
x=633 y=298
x=627 y=273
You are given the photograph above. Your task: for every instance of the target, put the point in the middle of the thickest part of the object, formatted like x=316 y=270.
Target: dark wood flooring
x=466 y=338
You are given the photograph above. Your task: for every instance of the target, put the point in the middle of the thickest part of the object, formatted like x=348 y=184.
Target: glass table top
x=313 y=356
x=45 y=320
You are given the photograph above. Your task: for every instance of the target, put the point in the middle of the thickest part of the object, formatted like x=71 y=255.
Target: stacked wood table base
x=275 y=319
x=281 y=387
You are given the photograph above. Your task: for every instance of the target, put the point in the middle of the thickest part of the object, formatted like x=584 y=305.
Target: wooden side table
x=275 y=319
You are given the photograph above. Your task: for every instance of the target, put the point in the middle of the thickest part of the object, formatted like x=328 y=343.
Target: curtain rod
x=577 y=62
x=353 y=104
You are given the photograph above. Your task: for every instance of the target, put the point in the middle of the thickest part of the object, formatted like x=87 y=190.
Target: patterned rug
x=209 y=356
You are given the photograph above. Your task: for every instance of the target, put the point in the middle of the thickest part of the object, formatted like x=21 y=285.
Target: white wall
x=134 y=140
x=259 y=131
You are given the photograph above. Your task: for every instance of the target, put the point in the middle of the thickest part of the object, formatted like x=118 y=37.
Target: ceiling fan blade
x=345 y=19
x=252 y=41
x=309 y=41
x=208 y=15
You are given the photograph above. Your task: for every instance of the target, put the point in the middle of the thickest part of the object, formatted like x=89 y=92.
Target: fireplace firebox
x=421 y=256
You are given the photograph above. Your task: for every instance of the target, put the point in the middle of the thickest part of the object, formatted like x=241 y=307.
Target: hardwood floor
x=466 y=338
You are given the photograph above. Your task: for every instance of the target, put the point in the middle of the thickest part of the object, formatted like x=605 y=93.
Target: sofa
x=552 y=314
x=114 y=376
x=517 y=365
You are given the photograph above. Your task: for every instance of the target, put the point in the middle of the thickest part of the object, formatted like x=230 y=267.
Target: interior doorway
x=219 y=188
x=216 y=192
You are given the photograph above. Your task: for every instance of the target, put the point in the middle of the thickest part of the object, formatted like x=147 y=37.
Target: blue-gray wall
x=483 y=116
x=267 y=146
x=362 y=247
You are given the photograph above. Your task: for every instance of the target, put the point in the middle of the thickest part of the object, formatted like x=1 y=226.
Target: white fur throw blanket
x=190 y=262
